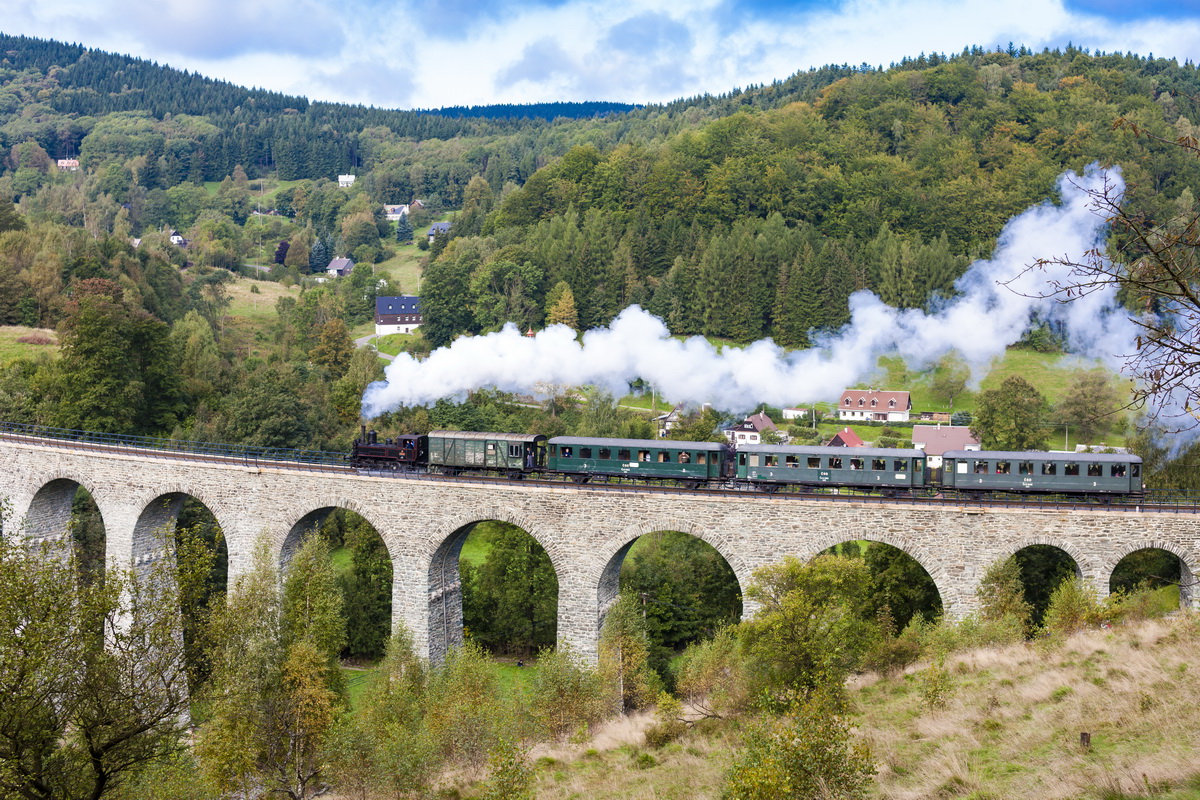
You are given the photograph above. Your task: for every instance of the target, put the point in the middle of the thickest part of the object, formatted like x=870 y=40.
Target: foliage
x=711 y=675
x=1073 y=607
x=806 y=752
x=625 y=655
x=464 y=710
x=510 y=603
x=510 y=774
x=936 y=683
x=366 y=589
x=565 y=695
x=669 y=723
x=1090 y=404
x=92 y=673
x=950 y=377
x=1010 y=417
x=810 y=629
x=686 y=589
x=1001 y=594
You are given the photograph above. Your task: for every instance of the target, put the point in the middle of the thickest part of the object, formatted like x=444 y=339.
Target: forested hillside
x=755 y=213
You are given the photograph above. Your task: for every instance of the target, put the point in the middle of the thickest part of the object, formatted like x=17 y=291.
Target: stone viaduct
x=586 y=531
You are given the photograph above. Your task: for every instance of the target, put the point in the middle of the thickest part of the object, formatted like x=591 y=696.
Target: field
x=11 y=349
x=251 y=313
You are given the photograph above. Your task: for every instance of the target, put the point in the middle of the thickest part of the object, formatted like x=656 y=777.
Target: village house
x=436 y=228
x=394 y=213
x=937 y=439
x=177 y=238
x=845 y=438
x=665 y=422
x=68 y=165
x=345 y=181
x=751 y=430
x=397 y=314
x=874 y=405
x=339 y=267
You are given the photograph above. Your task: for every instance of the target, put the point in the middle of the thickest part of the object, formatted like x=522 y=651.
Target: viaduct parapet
x=586 y=531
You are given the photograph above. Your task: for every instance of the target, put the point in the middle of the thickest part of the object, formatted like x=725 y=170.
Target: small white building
x=751 y=430
x=345 y=181
x=873 y=404
x=397 y=314
x=394 y=213
x=339 y=267
x=937 y=439
x=68 y=165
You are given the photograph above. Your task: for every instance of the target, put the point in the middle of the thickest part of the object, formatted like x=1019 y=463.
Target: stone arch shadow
x=47 y=517
x=1086 y=567
x=1188 y=596
x=606 y=586
x=152 y=537
x=952 y=595
x=444 y=613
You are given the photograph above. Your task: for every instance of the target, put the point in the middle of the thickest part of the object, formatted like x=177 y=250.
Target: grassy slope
x=1010 y=729
x=11 y=349
x=251 y=315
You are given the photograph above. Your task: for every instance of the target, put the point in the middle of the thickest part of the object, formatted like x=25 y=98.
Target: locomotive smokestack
x=362 y=437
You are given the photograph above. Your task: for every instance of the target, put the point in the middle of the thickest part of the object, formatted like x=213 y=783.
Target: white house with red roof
x=751 y=430
x=858 y=405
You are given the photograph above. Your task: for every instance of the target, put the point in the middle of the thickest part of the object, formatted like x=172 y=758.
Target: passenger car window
x=1025 y=468
x=1117 y=471
x=856 y=463
x=1003 y=467
x=835 y=462
x=814 y=462
x=585 y=452
x=899 y=465
x=1095 y=470
x=879 y=464
x=1072 y=468
x=622 y=455
x=981 y=467
x=1049 y=468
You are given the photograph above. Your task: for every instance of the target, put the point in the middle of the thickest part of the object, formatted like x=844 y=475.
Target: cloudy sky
x=429 y=53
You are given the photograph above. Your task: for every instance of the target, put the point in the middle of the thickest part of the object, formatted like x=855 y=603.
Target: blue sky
x=429 y=53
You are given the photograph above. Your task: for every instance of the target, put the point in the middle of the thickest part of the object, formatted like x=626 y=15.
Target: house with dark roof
x=436 y=228
x=340 y=267
x=751 y=430
x=846 y=438
x=873 y=404
x=397 y=314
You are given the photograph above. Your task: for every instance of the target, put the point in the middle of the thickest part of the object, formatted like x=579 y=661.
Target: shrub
x=35 y=338
x=668 y=722
x=511 y=777
x=1073 y=607
x=711 y=676
x=564 y=696
x=806 y=752
x=937 y=684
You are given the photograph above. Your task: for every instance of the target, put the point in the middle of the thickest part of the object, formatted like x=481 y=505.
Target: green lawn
x=396 y=343
x=11 y=349
x=251 y=313
x=403 y=270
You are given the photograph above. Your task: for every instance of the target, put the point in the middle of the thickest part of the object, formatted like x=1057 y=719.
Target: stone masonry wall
x=586 y=531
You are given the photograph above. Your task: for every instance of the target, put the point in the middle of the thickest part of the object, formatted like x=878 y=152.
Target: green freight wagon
x=455 y=451
x=583 y=458
x=857 y=467
x=1056 y=473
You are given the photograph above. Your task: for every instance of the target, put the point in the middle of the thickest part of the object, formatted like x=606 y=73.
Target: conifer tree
x=318 y=257
x=404 y=230
x=10 y=220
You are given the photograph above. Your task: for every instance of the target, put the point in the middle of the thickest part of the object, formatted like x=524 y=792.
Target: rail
x=1153 y=501
x=176 y=448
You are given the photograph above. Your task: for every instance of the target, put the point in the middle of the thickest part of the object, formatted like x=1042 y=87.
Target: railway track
x=334 y=463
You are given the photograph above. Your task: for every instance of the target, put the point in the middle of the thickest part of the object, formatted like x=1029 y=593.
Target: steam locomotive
x=764 y=467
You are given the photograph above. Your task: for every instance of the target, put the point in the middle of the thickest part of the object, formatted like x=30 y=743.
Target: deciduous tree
x=1010 y=417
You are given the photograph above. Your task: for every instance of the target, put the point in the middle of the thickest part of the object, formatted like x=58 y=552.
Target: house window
x=861 y=402
x=622 y=455
x=891 y=403
x=874 y=403
x=605 y=454
x=1049 y=468
x=1071 y=469
x=847 y=401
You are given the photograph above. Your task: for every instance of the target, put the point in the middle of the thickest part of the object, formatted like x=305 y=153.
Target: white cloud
x=423 y=54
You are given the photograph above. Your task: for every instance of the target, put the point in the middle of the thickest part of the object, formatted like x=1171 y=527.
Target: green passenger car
x=1070 y=473
x=859 y=467
x=645 y=458
x=453 y=451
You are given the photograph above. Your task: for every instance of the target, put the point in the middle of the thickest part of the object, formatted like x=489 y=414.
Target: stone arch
x=445 y=587
x=1085 y=566
x=607 y=587
x=153 y=533
x=1187 y=596
x=289 y=539
x=48 y=514
x=953 y=596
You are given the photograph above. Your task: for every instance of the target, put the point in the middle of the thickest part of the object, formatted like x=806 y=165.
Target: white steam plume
x=980 y=324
